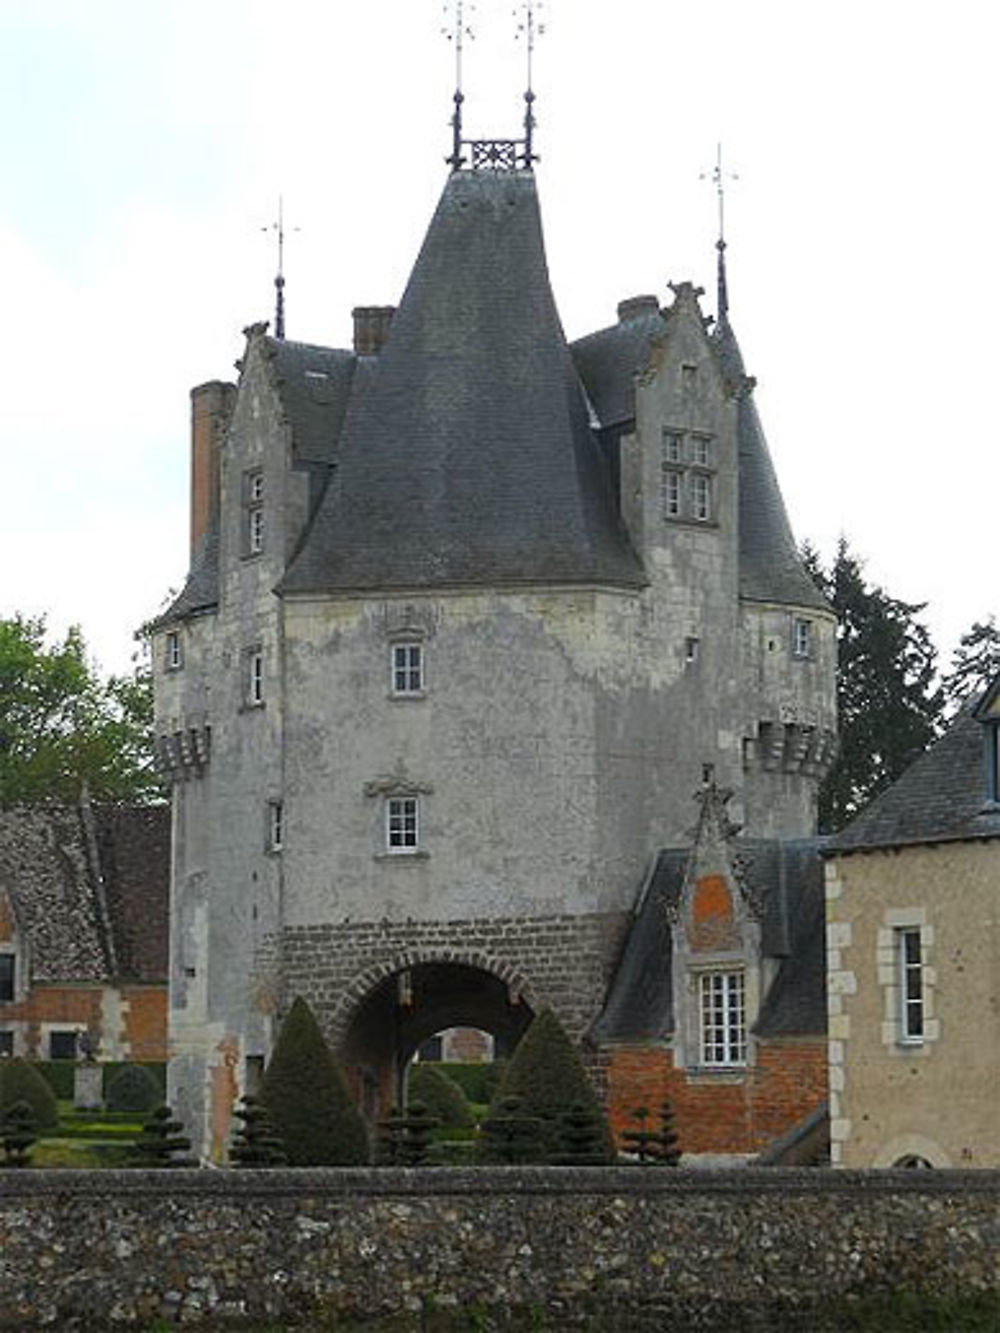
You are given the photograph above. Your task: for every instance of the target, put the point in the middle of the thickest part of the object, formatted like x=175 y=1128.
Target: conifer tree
x=546 y=1073
x=256 y=1143
x=974 y=664
x=509 y=1136
x=161 y=1141
x=20 y=1081
x=307 y=1098
x=405 y=1135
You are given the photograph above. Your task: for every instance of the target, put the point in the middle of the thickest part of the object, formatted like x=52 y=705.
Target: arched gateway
x=389 y=1012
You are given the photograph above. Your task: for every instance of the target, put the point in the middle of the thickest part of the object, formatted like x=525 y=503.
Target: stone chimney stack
x=637 y=307
x=371 y=328
x=211 y=408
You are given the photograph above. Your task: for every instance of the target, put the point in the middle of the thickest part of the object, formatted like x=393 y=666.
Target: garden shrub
x=444 y=1099
x=157 y=1069
x=479 y=1081
x=307 y=1098
x=133 y=1089
x=20 y=1081
x=256 y=1143
x=161 y=1141
x=546 y=1074
x=59 y=1075
x=17 y=1134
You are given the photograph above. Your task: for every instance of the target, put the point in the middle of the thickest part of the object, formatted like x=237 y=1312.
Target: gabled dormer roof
x=470 y=461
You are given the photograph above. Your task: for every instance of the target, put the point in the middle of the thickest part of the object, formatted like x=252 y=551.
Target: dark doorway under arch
x=404 y=1009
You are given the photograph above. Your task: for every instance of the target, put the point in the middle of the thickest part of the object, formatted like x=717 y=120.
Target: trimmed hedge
x=133 y=1088
x=444 y=1099
x=59 y=1074
x=479 y=1081
x=20 y=1081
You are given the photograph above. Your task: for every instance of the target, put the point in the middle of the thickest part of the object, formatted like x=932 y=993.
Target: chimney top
x=637 y=307
x=371 y=328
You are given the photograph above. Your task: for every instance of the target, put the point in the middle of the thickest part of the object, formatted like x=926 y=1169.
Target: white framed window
x=8 y=977
x=723 y=1032
x=802 y=638
x=253 y=670
x=402 y=824
x=671 y=493
x=701 y=497
x=174 y=652
x=911 y=985
x=407 y=666
x=275 y=826
x=701 y=450
x=253 y=512
x=673 y=446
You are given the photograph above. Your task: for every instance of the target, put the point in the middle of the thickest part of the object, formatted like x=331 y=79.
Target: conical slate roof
x=470 y=460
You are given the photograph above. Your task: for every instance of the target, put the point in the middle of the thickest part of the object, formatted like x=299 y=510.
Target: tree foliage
x=307 y=1099
x=428 y=1083
x=888 y=702
x=974 y=664
x=20 y=1081
x=546 y=1074
x=62 y=727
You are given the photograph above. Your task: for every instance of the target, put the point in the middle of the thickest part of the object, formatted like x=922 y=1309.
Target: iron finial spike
x=531 y=30
x=718 y=177
x=456 y=30
x=279 y=278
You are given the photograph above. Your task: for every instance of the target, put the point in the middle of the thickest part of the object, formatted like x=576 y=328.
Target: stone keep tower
x=471 y=614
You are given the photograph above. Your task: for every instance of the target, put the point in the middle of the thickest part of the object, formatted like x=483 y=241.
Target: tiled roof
x=940 y=798
x=788 y=879
x=47 y=874
x=470 y=460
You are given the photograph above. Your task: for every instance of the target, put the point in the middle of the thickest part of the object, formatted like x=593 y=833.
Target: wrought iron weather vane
x=456 y=29
x=718 y=177
x=531 y=29
x=279 y=280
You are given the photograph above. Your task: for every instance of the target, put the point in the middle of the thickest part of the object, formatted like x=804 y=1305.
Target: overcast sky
x=146 y=144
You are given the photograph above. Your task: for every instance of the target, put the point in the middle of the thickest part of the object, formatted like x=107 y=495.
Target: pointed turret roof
x=470 y=460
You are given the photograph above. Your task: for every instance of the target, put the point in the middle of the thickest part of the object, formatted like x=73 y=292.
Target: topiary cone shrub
x=307 y=1098
x=256 y=1143
x=547 y=1076
x=17 y=1134
x=133 y=1089
x=161 y=1141
x=441 y=1095
x=20 y=1081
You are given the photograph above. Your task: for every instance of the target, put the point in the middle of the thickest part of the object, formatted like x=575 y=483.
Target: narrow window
x=723 y=1019
x=401 y=828
x=670 y=493
x=253 y=512
x=802 y=638
x=700 y=451
x=7 y=976
x=689 y=378
x=673 y=446
x=175 y=659
x=701 y=497
x=911 y=985
x=690 y=649
x=254 y=677
x=407 y=668
x=275 y=826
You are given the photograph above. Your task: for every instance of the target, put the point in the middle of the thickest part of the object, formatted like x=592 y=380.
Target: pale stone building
x=472 y=614
x=913 y=949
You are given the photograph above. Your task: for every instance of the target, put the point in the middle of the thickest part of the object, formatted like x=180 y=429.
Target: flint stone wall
x=621 y=1248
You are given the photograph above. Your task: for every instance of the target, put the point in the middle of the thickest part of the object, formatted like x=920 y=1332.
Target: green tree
x=307 y=1099
x=442 y=1096
x=974 y=663
x=160 y=1141
x=20 y=1081
x=63 y=728
x=888 y=702
x=546 y=1074
x=255 y=1142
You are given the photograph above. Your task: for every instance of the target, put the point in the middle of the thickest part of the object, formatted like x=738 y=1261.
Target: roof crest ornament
x=718 y=177
x=493 y=154
x=279 y=279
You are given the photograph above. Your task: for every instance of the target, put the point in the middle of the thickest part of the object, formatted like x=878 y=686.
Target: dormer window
x=723 y=1034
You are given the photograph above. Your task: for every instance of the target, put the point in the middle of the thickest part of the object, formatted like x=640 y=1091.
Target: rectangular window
x=802 y=638
x=7 y=976
x=992 y=737
x=700 y=451
x=254 y=677
x=723 y=1019
x=673 y=446
x=175 y=659
x=701 y=497
x=670 y=493
x=275 y=826
x=62 y=1045
x=401 y=828
x=253 y=512
x=407 y=668
x=6 y=1042
x=911 y=985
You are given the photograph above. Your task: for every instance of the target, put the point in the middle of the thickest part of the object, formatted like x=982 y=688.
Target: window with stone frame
x=802 y=637
x=723 y=1028
x=275 y=826
x=8 y=977
x=174 y=651
x=402 y=824
x=407 y=668
x=687 y=476
x=911 y=985
x=253 y=511
x=253 y=676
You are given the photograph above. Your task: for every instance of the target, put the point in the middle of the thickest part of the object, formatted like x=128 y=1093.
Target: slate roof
x=201 y=588
x=940 y=798
x=314 y=385
x=788 y=877
x=471 y=459
x=609 y=360
x=46 y=873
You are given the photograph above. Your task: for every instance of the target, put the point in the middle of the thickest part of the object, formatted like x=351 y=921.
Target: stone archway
x=390 y=1013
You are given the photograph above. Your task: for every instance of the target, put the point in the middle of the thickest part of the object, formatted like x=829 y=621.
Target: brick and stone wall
x=720 y=1112
x=615 y=1249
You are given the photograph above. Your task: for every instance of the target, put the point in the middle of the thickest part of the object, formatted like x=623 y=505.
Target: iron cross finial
x=279 y=280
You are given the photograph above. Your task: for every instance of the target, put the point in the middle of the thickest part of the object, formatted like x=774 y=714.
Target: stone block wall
x=617 y=1249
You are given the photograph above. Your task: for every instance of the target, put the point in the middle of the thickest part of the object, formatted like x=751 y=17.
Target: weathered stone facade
x=622 y=1250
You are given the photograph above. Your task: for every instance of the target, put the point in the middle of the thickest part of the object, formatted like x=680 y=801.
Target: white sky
x=144 y=144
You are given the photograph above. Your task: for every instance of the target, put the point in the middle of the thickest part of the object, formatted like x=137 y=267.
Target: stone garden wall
x=612 y=1248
